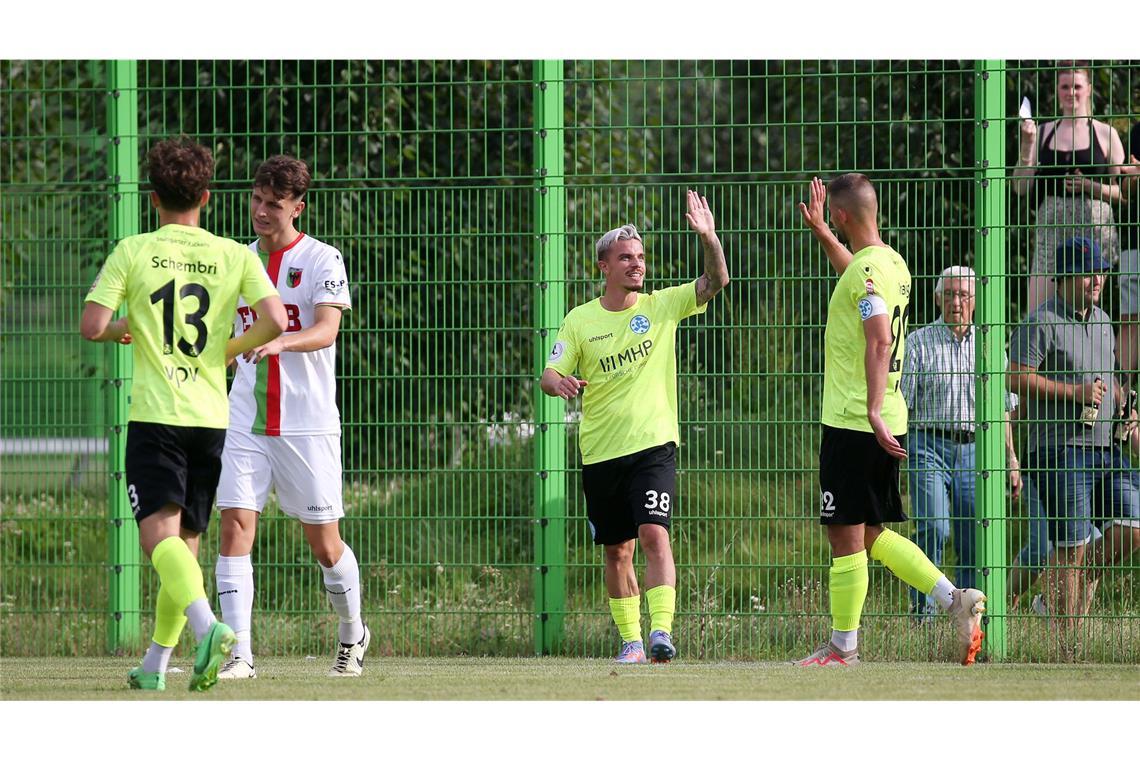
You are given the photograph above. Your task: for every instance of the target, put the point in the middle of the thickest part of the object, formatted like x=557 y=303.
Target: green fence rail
x=466 y=198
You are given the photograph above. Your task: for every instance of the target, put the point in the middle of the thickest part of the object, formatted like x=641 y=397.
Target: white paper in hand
x=1026 y=111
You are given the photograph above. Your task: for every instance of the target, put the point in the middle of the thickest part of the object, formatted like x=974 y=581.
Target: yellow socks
x=179 y=572
x=903 y=558
x=662 y=602
x=168 y=619
x=627 y=614
x=847 y=589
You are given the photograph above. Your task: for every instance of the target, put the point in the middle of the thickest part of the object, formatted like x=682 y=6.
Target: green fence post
x=990 y=249
x=124 y=556
x=550 y=413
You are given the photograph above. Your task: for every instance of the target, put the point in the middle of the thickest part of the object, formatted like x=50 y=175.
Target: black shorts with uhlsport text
x=170 y=464
x=629 y=491
x=858 y=479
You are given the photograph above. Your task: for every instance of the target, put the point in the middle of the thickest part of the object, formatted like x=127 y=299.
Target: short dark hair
x=855 y=194
x=286 y=176
x=179 y=170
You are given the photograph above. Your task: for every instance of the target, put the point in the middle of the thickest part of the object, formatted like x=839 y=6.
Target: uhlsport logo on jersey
x=639 y=324
x=294 y=277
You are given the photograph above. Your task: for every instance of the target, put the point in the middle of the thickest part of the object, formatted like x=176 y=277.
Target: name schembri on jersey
x=195 y=267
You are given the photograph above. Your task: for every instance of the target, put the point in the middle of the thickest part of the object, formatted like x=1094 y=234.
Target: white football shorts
x=304 y=470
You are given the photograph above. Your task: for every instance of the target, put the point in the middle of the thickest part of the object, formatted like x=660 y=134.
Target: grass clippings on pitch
x=291 y=678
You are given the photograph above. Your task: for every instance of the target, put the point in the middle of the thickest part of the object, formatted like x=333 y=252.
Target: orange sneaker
x=966 y=612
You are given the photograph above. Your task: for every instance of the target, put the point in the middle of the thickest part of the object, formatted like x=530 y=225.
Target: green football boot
x=140 y=679
x=213 y=649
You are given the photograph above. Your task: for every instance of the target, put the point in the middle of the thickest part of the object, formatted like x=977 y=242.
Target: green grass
x=281 y=678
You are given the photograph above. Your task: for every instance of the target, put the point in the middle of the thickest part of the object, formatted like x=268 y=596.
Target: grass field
x=291 y=678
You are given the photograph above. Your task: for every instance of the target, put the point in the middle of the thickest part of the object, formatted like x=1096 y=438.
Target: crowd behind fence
x=466 y=197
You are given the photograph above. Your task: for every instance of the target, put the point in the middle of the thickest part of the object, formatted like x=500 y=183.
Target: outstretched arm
x=321 y=334
x=813 y=217
x=716 y=270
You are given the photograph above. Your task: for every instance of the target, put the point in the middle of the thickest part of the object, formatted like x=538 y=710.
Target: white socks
x=200 y=617
x=157 y=658
x=342 y=584
x=845 y=641
x=234 y=576
x=943 y=592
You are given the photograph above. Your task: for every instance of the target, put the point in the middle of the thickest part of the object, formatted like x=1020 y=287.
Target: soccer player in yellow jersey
x=180 y=285
x=622 y=346
x=864 y=423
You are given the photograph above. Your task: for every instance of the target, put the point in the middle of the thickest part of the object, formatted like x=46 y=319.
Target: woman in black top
x=1128 y=338
x=1075 y=160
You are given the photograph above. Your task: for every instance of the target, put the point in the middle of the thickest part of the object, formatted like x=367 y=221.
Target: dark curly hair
x=286 y=176
x=180 y=170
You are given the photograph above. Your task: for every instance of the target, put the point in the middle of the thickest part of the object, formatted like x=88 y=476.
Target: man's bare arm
x=815 y=220
x=716 y=270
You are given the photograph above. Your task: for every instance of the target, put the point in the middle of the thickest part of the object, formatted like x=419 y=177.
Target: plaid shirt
x=938 y=379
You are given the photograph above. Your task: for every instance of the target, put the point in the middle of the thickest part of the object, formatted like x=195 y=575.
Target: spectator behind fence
x=1128 y=340
x=1061 y=365
x=938 y=385
x=1074 y=160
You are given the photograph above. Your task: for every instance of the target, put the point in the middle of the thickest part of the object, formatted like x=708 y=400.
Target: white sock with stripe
x=234 y=577
x=342 y=586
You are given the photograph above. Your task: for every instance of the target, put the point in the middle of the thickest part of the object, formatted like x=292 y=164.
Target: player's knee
x=655 y=541
x=620 y=555
x=238 y=532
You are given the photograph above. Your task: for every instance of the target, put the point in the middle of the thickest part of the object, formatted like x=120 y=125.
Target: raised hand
x=813 y=212
x=699 y=216
x=1028 y=132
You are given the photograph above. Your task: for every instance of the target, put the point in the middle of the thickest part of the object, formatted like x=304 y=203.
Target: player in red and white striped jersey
x=284 y=424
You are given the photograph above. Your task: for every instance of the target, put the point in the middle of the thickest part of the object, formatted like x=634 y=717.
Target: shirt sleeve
x=563 y=357
x=681 y=301
x=871 y=282
x=110 y=286
x=909 y=382
x=255 y=282
x=1028 y=344
x=330 y=284
x=1010 y=398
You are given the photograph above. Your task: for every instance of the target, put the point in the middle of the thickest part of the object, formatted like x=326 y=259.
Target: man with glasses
x=938 y=385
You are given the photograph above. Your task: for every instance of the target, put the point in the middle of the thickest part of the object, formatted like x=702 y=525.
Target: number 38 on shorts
x=627 y=492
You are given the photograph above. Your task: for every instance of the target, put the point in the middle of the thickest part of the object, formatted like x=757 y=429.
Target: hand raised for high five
x=699 y=216
x=813 y=212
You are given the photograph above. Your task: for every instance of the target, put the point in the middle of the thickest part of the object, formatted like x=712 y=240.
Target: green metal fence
x=466 y=197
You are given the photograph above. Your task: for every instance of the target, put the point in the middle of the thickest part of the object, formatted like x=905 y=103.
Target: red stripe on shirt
x=273 y=384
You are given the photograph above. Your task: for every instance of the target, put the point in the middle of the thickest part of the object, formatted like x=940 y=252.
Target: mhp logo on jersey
x=294 y=277
x=639 y=324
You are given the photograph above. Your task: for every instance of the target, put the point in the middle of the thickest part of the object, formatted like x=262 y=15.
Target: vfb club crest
x=639 y=324
x=294 y=277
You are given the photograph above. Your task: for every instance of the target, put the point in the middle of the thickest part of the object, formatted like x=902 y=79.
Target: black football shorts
x=627 y=492
x=169 y=464
x=858 y=480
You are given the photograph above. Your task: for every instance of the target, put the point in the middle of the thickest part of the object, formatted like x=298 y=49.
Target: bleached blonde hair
x=624 y=232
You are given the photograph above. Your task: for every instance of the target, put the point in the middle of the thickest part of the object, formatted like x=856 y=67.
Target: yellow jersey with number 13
x=875 y=271
x=181 y=286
